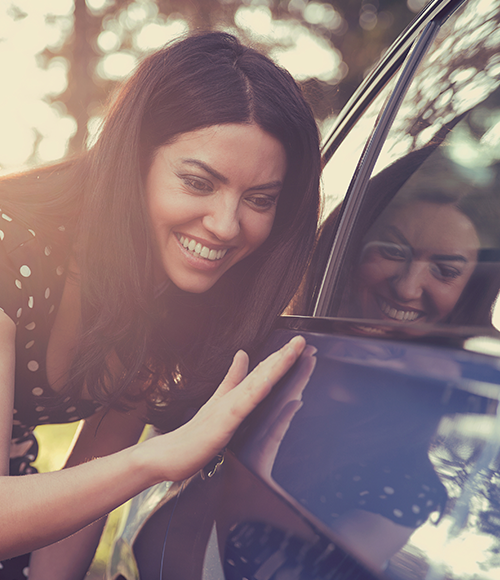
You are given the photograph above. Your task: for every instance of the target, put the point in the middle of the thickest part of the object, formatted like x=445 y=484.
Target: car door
x=378 y=455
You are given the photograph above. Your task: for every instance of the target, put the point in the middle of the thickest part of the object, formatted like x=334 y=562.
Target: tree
x=355 y=32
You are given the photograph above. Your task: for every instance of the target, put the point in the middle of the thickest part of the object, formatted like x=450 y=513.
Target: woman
x=416 y=261
x=135 y=272
x=429 y=258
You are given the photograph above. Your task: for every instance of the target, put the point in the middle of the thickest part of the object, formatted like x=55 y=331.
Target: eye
x=391 y=251
x=446 y=272
x=197 y=184
x=262 y=202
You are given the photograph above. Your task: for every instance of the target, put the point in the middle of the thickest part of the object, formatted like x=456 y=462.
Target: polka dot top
x=32 y=276
x=403 y=488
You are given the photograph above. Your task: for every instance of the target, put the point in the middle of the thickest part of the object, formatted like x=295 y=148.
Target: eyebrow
x=435 y=257
x=214 y=173
x=206 y=168
x=449 y=258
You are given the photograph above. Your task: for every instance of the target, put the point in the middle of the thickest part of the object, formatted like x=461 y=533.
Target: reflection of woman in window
x=356 y=455
x=429 y=257
x=364 y=467
x=416 y=261
x=429 y=245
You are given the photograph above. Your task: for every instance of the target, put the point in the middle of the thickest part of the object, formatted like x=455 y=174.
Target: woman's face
x=416 y=263
x=212 y=196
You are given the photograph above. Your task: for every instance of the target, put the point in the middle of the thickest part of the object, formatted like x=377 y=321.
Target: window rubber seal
x=355 y=194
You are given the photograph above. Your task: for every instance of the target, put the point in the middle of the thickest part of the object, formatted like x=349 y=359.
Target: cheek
x=172 y=210
x=375 y=270
x=446 y=297
x=257 y=229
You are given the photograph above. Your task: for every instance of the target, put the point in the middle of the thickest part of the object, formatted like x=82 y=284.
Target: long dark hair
x=180 y=345
x=393 y=187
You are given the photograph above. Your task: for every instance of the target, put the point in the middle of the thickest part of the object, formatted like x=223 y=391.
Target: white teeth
x=200 y=250
x=401 y=315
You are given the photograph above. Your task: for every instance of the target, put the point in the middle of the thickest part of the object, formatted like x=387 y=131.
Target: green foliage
x=54 y=442
x=111 y=36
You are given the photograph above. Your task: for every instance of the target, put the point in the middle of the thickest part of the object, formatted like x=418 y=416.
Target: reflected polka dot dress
x=32 y=276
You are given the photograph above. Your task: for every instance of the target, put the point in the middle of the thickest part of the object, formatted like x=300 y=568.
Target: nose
x=222 y=218
x=409 y=283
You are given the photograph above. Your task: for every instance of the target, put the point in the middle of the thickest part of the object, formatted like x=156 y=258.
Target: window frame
x=412 y=47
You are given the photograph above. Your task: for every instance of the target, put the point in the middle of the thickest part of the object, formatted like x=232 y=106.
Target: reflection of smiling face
x=415 y=263
x=212 y=196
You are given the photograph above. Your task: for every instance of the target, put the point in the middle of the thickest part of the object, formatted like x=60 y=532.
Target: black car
x=378 y=455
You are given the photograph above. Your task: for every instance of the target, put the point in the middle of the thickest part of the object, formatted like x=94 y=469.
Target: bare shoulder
x=7 y=326
x=7 y=347
x=371 y=537
x=7 y=370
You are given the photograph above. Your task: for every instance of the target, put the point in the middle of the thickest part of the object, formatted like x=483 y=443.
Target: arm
x=41 y=509
x=371 y=537
x=98 y=436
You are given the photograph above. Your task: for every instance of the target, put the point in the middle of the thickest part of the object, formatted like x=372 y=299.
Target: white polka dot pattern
x=405 y=496
x=32 y=277
x=33 y=366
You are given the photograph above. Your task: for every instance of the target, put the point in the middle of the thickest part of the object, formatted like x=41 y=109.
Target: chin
x=194 y=287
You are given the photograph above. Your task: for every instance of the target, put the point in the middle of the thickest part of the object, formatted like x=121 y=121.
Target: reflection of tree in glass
x=461 y=69
x=472 y=516
x=463 y=462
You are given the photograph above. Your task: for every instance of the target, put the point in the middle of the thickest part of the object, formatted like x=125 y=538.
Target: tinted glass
x=340 y=169
x=428 y=242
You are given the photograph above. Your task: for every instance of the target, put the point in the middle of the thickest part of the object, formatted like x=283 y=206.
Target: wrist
x=145 y=464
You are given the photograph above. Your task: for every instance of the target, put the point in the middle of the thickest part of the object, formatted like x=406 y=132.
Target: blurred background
x=60 y=60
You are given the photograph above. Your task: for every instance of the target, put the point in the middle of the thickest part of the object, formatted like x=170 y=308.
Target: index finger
x=250 y=392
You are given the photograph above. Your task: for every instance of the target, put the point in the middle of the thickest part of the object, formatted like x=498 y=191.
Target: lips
x=397 y=314
x=200 y=250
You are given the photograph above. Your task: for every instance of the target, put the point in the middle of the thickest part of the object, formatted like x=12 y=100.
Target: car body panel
x=378 y=455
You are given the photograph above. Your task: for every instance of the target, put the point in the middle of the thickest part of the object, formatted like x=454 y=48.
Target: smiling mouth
x=200 y=250
x=396 y=314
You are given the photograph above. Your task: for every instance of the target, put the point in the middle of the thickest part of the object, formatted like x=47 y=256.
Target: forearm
x=41 y=509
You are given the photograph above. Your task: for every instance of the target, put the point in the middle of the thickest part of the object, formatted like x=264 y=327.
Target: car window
x=427 y=248
x=338 y=172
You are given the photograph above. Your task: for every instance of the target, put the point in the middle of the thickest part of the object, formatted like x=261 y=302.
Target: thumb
x=236 y=373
